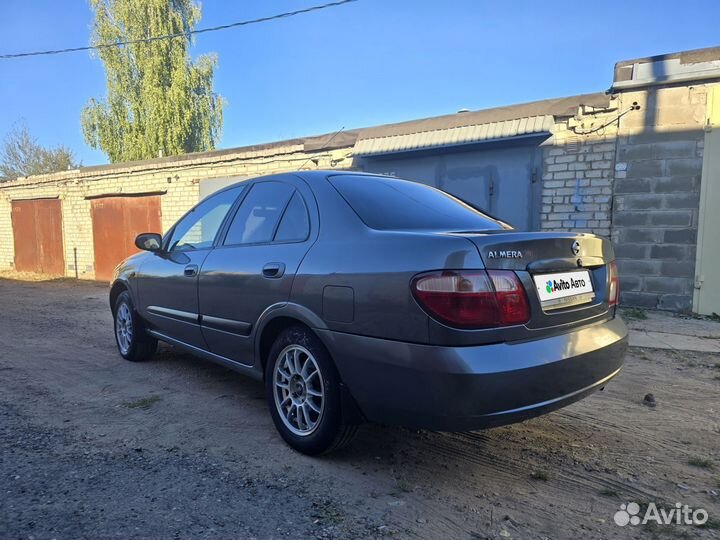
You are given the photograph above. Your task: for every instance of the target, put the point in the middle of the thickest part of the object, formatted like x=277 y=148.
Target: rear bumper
x=462 y=388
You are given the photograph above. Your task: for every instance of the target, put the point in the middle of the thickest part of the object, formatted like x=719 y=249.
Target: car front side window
x=197 y=230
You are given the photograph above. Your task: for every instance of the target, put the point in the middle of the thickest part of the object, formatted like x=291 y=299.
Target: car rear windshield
x=391 y=204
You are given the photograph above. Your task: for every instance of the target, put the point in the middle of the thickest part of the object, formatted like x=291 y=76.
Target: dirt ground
x=92 y=446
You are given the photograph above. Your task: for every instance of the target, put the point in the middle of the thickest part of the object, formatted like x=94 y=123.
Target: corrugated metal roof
x=528 y=125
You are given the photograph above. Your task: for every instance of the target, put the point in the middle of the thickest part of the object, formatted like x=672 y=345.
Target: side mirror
x=149 y=242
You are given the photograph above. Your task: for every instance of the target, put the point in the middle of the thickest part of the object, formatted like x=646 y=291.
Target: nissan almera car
x=359 y=297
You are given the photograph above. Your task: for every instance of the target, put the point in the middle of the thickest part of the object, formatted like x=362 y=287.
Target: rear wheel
x=132 y=341
x=302 y=388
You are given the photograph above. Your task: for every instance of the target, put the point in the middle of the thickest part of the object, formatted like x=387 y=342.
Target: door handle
x=273 y=270
x=191 y=270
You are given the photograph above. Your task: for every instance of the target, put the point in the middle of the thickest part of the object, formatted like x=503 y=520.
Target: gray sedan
x=358 y=297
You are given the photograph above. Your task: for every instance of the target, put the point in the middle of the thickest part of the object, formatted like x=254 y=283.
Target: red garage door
x=37 y=230
x=116 y=223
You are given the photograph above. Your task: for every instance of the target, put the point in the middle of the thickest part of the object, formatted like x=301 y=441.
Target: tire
x=132 y=342
x=308 y=410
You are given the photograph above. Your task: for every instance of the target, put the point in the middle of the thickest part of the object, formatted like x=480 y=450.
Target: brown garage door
x=116 y=223
x=37 y=230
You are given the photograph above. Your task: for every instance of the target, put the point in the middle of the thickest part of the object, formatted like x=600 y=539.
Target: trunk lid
x=541 y=252
x=540 y=260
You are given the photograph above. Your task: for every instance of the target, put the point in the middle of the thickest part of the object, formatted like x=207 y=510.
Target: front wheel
x=132 y=341
x=302 y=388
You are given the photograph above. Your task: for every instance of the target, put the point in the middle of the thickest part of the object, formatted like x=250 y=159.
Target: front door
x=168 y=280
x=254 y=266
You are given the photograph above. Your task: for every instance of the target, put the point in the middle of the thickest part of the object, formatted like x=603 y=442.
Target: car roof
x=311 y=177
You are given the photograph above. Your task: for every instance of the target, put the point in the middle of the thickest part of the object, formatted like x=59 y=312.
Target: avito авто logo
x=563 y=285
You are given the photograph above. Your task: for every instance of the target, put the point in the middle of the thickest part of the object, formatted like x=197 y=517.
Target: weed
x=540 y=475
x=142 y=403
x=634 y=314
x=701 y=463
x=403 y=485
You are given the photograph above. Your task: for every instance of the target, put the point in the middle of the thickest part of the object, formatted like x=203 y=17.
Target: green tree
x=22 y=155
x=159 y=101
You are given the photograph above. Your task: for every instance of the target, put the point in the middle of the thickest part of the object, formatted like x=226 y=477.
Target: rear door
x=168 y=280
x=254 y=265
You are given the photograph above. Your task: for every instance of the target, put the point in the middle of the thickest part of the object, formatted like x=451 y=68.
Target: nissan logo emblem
x=575 y=247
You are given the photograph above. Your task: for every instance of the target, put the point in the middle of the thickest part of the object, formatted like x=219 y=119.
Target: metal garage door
x=116 y=223
x=37 y=230
x=502 y=180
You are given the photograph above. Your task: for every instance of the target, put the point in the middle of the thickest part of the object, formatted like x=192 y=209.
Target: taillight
x=614 y=290
x=510 y=296
x=473 y=299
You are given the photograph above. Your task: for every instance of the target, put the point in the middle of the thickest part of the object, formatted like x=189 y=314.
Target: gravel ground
x=95 y=447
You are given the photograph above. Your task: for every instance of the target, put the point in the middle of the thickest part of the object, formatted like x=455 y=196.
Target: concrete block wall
x=636 y=180
x=658 y=169
x=176 y=181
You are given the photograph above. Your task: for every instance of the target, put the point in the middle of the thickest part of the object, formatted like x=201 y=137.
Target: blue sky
x=361 y=64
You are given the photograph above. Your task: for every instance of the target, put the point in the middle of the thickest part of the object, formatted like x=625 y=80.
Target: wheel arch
x=282 y=317
x=278 y=318
x=118 y=287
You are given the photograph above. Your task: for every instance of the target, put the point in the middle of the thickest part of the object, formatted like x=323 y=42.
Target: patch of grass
x=701 y=463
x=142 y=403
x=634 y=314
x=541 y=475
x=714 y=317
x=609 y=493
x=327 y=512
x=640 y=353
x=403 y=485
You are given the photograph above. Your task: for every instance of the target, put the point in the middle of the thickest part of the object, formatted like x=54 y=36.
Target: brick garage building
x=634 y=163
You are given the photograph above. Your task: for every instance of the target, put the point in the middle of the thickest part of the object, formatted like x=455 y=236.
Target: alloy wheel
x=124 y=328
x=298 y=390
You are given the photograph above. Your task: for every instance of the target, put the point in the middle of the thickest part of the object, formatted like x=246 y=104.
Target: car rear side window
x=295 y=224
x=259 y=213
x=392 y=204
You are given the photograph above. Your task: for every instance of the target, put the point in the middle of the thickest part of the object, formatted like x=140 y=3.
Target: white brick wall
x=179 y=180
x=577 y=175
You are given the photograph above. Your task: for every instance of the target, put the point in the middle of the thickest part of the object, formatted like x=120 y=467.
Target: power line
x=180 y=34
x=327 y=144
